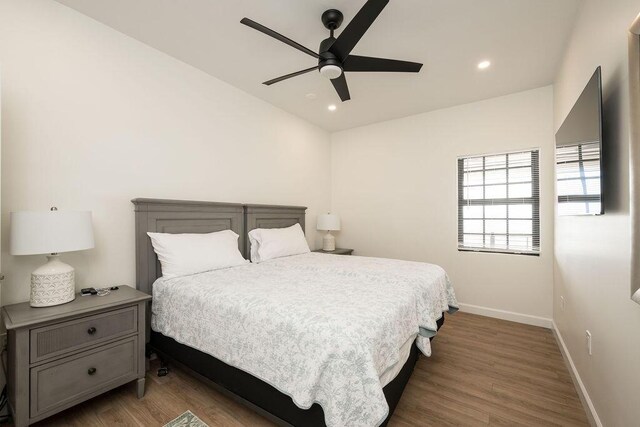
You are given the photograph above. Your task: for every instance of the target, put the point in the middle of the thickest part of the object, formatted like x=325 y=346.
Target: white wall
x=592 y=253
x=93 y=118
x=395 y=186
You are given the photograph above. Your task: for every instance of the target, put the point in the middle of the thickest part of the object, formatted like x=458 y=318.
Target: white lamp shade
x=328 y=222
x=50 y=232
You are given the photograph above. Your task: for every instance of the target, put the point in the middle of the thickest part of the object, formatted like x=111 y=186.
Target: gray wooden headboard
x=183 y=216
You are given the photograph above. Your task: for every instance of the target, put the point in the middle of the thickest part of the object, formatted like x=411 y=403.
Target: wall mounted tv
x=579 y=165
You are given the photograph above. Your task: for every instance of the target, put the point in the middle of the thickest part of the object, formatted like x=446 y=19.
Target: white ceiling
x=524 y=39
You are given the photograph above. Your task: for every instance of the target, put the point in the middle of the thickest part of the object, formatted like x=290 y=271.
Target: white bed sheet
x=320 y=328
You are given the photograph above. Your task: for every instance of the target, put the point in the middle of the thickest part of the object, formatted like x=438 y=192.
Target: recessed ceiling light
x=484 y=65
x=332 y=107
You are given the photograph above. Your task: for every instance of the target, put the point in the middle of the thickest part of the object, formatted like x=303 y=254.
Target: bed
x=275 y=345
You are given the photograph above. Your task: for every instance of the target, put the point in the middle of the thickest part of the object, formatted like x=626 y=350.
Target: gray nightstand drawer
x=64 y=382
x=54 y=340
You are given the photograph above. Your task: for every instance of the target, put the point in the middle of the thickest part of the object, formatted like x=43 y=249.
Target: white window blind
x=499 y=203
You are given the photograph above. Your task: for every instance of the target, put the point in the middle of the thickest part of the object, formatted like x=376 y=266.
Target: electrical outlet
x=589 y=342
x=562 y=303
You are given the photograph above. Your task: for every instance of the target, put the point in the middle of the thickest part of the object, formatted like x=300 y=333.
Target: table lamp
x=51 y=232
x=328 y=222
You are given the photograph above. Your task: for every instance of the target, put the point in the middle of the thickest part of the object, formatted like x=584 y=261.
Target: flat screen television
x=579 y=160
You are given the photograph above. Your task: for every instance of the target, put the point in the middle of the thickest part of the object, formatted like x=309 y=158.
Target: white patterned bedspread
x=317 y=327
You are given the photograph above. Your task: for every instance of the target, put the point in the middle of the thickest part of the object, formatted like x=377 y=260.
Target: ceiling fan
x=334 y=55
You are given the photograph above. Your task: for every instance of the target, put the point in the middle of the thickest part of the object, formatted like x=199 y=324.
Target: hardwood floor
x=490 y=372
x=483 y=372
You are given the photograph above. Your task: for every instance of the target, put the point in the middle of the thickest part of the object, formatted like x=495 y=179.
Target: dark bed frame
x=180 y=216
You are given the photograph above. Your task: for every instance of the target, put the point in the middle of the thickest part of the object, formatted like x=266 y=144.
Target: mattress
x=320 y=328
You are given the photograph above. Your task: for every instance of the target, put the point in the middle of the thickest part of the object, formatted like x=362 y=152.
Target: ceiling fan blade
x=288 y=76
x=359 y=25
x=268 y=31
x=340 y=84
x=367 y=63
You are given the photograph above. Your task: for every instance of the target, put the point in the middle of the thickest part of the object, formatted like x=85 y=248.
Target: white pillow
x=184 y=254
x=269 y=243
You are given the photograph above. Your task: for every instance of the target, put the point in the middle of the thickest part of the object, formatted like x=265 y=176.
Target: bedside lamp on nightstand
x=51 y=232
x=328 y=222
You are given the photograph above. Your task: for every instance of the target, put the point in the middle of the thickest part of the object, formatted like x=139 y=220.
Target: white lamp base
x=328 y=242
x=53 y=283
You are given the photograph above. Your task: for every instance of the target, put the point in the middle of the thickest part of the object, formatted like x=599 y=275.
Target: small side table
x=62 y=355
x=337 y=251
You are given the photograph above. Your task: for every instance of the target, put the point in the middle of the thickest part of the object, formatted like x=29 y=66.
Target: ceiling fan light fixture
x=331 y=71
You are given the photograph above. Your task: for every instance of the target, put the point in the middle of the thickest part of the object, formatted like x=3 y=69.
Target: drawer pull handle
x=91 y=371
x=91 y=330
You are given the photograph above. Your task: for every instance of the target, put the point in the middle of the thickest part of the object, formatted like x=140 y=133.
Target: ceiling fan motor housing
x=329 y=64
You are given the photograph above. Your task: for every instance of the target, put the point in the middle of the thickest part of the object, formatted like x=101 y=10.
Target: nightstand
x=62 y=355
x=337 y=251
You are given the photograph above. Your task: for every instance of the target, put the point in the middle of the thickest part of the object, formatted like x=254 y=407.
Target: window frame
x=534 y=200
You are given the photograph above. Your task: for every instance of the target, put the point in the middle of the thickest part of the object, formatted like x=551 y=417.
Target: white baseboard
x=592 y=415
x=527 y=319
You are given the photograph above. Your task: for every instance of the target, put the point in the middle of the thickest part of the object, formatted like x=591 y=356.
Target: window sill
x=498 y=251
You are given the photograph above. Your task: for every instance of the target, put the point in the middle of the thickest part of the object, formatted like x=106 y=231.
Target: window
x=499 y=203
x=578 y=179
